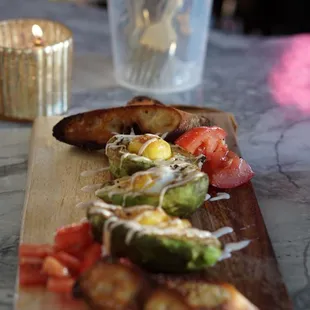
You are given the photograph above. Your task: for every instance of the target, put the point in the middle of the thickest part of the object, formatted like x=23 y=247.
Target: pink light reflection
x=289 y=79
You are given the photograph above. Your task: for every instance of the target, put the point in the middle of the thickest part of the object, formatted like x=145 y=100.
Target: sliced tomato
x=60 y=285
x=231 y=172
x=52 y=267
x=28 y=260
x=73 y=238
x=29 y=276
x=209 y=141
x=71 y=262
x=35 y=250
x=92 y=255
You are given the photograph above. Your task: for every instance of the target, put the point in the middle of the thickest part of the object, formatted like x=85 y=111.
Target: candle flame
x=37 y=31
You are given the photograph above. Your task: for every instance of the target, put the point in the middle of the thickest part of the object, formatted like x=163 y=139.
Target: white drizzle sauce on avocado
x=174 y=178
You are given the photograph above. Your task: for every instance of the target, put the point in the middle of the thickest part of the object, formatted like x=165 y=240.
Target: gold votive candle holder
x=35 y=68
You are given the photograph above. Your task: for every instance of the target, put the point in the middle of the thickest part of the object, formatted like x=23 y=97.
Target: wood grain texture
x=53 y=190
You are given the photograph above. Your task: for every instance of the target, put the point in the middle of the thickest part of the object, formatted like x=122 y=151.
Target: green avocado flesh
x=125 y=165
x=159 y=253
x=181 y=200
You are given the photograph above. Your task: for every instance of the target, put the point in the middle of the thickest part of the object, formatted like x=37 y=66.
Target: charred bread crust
x=91 y=130
x=143 y=100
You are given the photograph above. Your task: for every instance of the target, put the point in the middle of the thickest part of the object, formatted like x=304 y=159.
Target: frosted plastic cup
x=159 y=46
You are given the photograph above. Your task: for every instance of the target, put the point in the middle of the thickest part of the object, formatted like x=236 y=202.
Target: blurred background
x=263 y=17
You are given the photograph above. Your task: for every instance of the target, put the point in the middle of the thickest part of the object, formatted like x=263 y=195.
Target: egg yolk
x=155 y=149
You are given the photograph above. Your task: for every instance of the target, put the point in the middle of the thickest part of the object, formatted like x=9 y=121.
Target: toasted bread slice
x=92 y=130
x=143 y=100
x=207 y=296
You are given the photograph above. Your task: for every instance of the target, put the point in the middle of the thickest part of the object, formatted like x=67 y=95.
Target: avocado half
x=181 y=195
x=123 y=163
x=176 y=250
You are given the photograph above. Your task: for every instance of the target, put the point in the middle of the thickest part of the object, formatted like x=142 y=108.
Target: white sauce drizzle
x=222 y=231
x=89 y=173
x=220 y=196
x=207 y=197
x=231 y=247
x=91 y=188
x=145 y=145
x=164 y=135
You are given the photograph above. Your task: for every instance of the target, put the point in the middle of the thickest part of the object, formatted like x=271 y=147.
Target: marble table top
x=264 y=82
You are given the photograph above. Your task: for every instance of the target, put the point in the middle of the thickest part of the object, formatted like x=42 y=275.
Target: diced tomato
x=35 y=250
x=30 y=277
x=224 y=167
x=73 y=238
x=27 y=260
x=71 y=262
x=204 y=140
x=53 y=267
x=60 y=285
x=92 y=255
x=231 y=172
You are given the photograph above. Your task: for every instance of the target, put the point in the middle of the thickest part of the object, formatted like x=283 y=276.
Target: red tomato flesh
x=92 y=255
x=224 y=168
x=35 y=261
x=71 y=262
x=73 y=238
x=35 y=250
x=29 y=276
x=230 y=173
x=60 y=285
x=204 y=140
x=53 y=267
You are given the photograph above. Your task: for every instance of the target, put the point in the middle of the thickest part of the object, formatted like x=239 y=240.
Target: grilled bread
x=92 y=130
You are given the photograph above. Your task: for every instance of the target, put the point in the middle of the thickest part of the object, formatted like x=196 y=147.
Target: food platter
x=54 y=189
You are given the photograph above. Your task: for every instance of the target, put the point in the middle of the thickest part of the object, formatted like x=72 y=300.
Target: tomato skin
x=35 y=250
x=60 y=285
x=92 y=255
x=73 y=238
x=224 y=168
x=231 y=172
x=29 y=276
x=28 y=260
x=53 y=267
x=202 y=140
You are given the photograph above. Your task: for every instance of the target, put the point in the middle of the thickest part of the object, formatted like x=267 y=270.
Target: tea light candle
x=35 y=68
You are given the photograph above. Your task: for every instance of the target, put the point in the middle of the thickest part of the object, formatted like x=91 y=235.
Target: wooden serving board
x=54 y=189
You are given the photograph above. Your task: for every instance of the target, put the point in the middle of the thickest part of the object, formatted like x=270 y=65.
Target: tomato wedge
x=35 y=250
x=232 y=172
x=31 y=276
x=60 y=285
x=34 y=261
x=225 y=168
x=73 y=238
x=71 y=262
x=92 y=255
x=208 y=141
x=53 y=267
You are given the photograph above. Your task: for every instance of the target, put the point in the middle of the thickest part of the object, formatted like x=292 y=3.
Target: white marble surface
x=273 y=138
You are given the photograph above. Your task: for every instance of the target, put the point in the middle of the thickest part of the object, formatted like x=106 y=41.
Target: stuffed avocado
x=151 y=238
x=128 y=154
x=179 y=189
